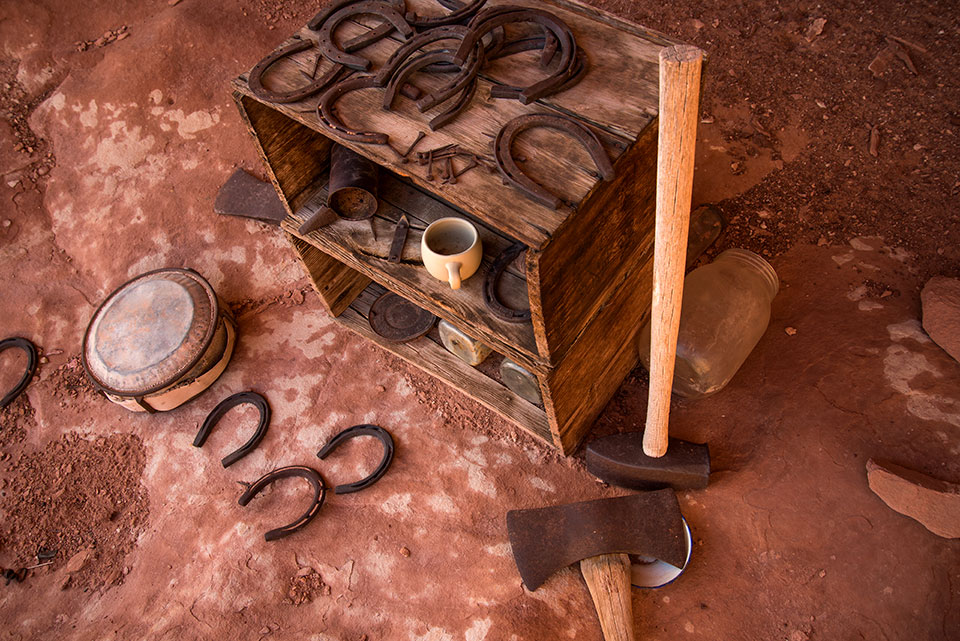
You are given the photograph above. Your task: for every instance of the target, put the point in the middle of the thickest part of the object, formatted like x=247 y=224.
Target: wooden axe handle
x=608 y=578
x=679 y=107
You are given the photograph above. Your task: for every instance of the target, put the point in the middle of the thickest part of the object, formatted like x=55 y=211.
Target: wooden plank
x=548 y=154
x=294 y=155
x=580 y=387
x=432 y=358
x=352 y=243
x=575 y=274
x=337 y=284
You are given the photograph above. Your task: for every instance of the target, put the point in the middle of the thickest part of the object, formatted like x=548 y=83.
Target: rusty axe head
x=547 y=539
x=619 y=459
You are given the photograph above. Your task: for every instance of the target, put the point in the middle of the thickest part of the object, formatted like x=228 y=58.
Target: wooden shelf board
x=432 y=358
x=352 y=243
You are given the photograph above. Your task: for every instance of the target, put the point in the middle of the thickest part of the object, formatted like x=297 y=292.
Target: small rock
x=7 y=222
x=44 y=360
x=264 y=630
x=815 y=29
x=822 y=573
x=304 y=571
x=940 y=301
x=77 y=561
x=790 y=331
x=822 y=241
x=932 y=502
x=125 y=34
x=799 y=635
x=405 y=551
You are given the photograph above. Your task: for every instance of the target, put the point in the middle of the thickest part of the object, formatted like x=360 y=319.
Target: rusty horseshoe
x=328 y=119
x=282 y=97
x=308 y=473
x=513 y=175
x=369 y=7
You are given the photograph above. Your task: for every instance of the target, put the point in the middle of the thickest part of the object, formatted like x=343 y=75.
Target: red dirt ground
x=117 y=129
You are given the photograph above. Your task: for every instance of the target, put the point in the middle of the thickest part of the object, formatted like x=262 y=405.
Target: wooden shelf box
x=587 y=273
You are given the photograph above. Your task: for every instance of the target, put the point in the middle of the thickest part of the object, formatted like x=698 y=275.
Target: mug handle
x=453 y=269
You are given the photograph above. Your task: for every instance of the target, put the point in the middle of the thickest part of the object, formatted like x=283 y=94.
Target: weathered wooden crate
x=587 y=273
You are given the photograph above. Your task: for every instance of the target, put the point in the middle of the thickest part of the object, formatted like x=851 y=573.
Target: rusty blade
x=399 y=240
x=547 y=539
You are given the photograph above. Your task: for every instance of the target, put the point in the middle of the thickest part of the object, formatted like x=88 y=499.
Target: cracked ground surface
x=117 y=129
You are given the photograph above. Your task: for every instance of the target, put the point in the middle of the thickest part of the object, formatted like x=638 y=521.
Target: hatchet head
x=547 y=539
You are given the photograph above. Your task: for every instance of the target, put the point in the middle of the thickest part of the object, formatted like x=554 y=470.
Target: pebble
x=405 y=551
x=7 y=222
x=790 y=331
x=304 y=571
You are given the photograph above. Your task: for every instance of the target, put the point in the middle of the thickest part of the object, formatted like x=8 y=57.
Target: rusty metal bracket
x=255 y=81
x=225 y=406
x=31 y=351
x=514 y=176
x=458 y=13
x=490 y=298
x=377 y=8
x=353 y=432
x=308 y=473
x=329 y=120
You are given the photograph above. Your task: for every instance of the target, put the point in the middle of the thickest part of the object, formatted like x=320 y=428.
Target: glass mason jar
x=726 y=309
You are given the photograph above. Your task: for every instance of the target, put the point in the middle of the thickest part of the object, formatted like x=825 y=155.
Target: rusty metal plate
x=150 y=332
x=547 y=539
x=397 y=319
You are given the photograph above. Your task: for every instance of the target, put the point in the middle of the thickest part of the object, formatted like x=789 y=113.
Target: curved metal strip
x=404 y=51
x=319 y=494
x=31 y=350
x=329 y=120
x=353 y=432
x=490 y=299
x=557 y=30
x=368 y=7
x=513 y=175
x=225 y=406
x=282 y=97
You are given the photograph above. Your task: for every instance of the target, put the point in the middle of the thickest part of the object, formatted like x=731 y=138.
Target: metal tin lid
x=150 y=332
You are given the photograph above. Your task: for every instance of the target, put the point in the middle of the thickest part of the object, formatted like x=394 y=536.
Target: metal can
x=159 y=340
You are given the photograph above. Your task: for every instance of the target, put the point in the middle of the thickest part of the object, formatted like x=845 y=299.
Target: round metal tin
x=151 y=332
x=397 y=319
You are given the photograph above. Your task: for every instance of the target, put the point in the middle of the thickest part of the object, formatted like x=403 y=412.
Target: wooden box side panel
x=582 y=385
x=294 y=154
x=577 y=272
x=337 y=284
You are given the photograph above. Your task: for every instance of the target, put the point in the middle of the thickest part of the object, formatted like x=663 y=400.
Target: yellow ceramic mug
x=451 y=250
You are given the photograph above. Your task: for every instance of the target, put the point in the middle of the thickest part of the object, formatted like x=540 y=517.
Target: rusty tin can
x=159 y=340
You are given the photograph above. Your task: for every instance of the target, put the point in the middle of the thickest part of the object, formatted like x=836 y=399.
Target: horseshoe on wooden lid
x=513 y=175
x=328 y=119
x=256 y=85
x=369 y=7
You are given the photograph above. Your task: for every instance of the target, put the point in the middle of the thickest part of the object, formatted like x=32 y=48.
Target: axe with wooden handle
x=600 y=535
